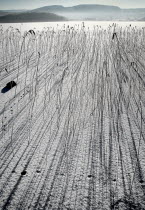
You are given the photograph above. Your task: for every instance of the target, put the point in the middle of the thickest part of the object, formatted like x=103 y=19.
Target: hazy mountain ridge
x=95 y=12
x=77 y=8
x=31 y=17
x=80 y=12
x=3 y=13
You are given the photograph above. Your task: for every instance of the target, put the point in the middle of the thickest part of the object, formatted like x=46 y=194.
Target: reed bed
x=73 y=129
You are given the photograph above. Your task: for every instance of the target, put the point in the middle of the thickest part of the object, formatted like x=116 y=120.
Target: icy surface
x=88 y=24
x=72 y=132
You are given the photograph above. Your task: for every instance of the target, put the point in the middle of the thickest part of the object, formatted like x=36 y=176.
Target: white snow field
x=72 y=131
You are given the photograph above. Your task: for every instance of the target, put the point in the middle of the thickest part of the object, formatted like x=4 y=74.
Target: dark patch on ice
x=31 y=32
x=23 y=173
x=90 y=176
x=114 y=35
x=8 y=86
x=13 y=172
x=141 y=181
x=4 y=90
x=11 y=84
x=114 y=180
x=38 y=171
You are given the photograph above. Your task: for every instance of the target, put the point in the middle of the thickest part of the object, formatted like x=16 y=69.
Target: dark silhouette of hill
x=14 y=10
x=2 y=13
x=6 y=12
x=30 y=17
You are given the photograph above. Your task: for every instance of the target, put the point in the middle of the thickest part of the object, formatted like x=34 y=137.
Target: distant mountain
x=31 y=17
x=82 y=12
x=54 y=8
x=78 y=8
x=94 y=12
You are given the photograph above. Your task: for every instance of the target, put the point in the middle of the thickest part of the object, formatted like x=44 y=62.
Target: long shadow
x=8 y=87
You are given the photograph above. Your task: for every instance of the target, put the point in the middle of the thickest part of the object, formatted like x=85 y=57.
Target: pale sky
x=30 y=4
